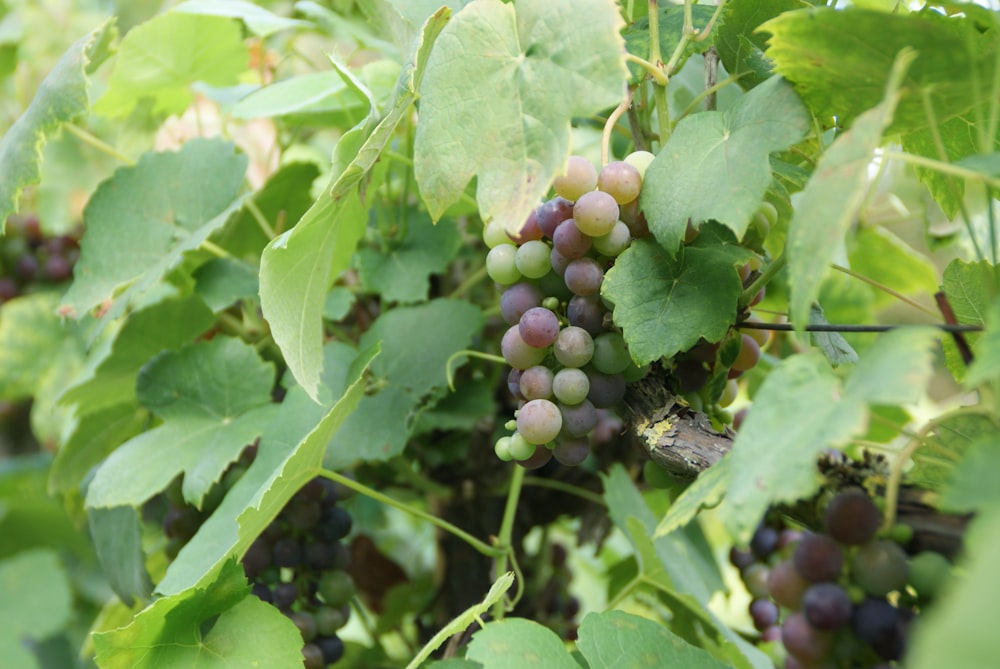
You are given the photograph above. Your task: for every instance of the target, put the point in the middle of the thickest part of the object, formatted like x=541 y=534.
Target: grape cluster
x=297 y=564
x=29 y=257
x=847 y=596
x=568 y=361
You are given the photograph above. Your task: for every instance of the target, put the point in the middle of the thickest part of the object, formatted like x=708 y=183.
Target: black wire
x=830 y=327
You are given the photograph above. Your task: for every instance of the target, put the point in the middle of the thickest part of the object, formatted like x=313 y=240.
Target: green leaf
x=61 y=98
x=219 y=626
x=290 y=453
x=260 y=21
x=141 y=221
x=162 y=57
x=513 y=61
x=831 y=200
x=953 y=436
x=462 y=621
x=30 y=331
x=619 y=640
x=833 y=345
x=110 y=376
x=214 y=399
x=774 y=459
x=96 y=435
x=518 y=643
x=957 y=631
x=740 y=48
x=37 y=602
x=986 y=363
x=840 y=59
x=878 y=254
x=309 y=93
x=970 y=288
x=118 y=541
x=221 y=282
x=295 y=273
x=971 y=487
x=412 y=375
x=721 y=152
x=671 y=27
x=402 y=274
x=706 y=492
x=666 y=304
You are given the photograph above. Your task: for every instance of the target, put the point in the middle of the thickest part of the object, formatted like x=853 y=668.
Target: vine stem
x=943 y=167
x=450 y=373
x=896 y=476
x=885 y=289
x=610 y=124
x=470 y=280
x=567 y=488
x=479 y=546
x=258 y=216
x=506 y=531
x=773 y=268
x=98 y=143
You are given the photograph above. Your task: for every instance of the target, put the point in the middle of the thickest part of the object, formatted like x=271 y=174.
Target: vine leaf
x=986 y=364
x=838 y=59
x=142 y=221
x=214 y=399
x=665 y=304
x=218 y=626
x=260 y=21
x=117 y=536
x=833 y=196
x=878 y=254
x=37 y=603
x=162 y=57
x=969 y=486
x=740 y=47
x=94 y=437
x=61 y=98
x=31 y=338
x=518 y=643
x=614 y=639
x=289 y=454
x=462 y=621
x=721 y=152
x=512 y=61
x=671 y=26
x=954 y=436
x=412 y=377
x=773 y=460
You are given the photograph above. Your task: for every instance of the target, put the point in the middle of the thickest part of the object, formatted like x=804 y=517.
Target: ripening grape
x=587 y=312
x=851 y=517
x=755 y=578
x=620 y=180
x=764 y=541
x=928 y=572
x=559 y=262
x=786 y=585
x=818 y=558
x=613 y=243
x=539 y=421
x=729 y=393
x=536 y=383
x=336 y=588
x=580 y=177
x=570 y=385
x=571 y=452
x=584 y=276
x=574 y=347
x=517 y=352
x=749 y=354
x=804 y=641
x=538 y=327
x=531 y=259
x=880 y=567
x=312 y=657
x=596 y=213
x=501 y=264
x=570 y=241
x=528 y=231
x=329 y=619
x=606 y=390
x=306 y=624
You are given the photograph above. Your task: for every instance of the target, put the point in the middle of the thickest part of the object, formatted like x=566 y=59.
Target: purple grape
x=764 y=613
x=606 y=390
x=805 y=642
x=764 y=541
x=284 y=595
x=332 y=647
x=514 y=383
x=57 y=268
x=579 y=419
x=878 y=623
x=571 y=452
x=826 y=606
x=538 y=327
x=786 y=585
x=570 y=241
x=587 y=312
x=517 y=299
x=287 y=553
x=559 y=263
x=550 y=214
x=536 y=383
x=852 y=518
x=8 y=289
x=818 y=558
x=584 y=276
x=518 y=353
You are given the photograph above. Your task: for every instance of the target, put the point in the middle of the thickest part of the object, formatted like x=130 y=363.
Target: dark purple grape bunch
x=844 y=595
x=568 y=360
x=298 y=563
x=32 y=258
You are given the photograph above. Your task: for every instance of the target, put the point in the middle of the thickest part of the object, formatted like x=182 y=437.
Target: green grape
x=880 y=567
x=501 y=264
x=613 y=243
x=640 y=160
x=574 y=347
x=570 y=385
x=519 y=448
x=532 y=259
x=610 y=354
x=502 y=449
x=494 y=235
x=336 y=588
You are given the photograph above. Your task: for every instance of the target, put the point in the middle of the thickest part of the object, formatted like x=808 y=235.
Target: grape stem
x=884 y=288
x=259 y=217
x=610 y=124
x=480 y=546
x=98 y=144
x=503 y=540
x=450 y=373
x=751 y=291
